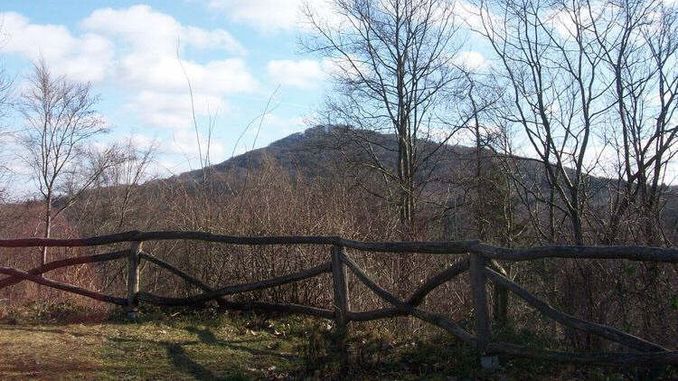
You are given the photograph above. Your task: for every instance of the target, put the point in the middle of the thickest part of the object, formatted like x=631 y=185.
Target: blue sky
x=237 y=54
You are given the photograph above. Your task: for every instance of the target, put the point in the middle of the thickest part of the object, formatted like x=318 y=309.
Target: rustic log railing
x=475 y=257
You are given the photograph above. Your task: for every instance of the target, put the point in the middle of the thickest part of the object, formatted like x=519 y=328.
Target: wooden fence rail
x=475 y=257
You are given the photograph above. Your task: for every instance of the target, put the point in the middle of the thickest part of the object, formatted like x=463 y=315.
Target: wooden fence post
x=133 y=280
x=500 y=297
x=341 y=301
x=482 y=319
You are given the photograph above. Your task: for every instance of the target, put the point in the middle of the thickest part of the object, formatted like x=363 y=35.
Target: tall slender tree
x=60 y=122
x=393 y=62
x=5 y=104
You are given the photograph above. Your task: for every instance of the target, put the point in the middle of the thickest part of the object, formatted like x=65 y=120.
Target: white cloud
x=146 y=30
x=266 y=15
x=470 y=60
x=147 y=51
x=303 y=73
x=135 y=49
x=162 y=95
x=147 y=63
x=173 y=110
x=275 y=15
x=165 y=73
x=468 y=13
x=141 y=141
x=87 y=57
x=184 y=144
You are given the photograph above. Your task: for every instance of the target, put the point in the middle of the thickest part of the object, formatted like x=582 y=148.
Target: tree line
x=586 y=88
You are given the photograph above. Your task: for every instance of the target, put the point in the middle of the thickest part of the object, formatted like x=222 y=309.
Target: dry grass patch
x=145 y=350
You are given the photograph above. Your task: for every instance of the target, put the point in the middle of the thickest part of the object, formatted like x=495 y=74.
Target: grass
x=57 y=343
x=185 y=348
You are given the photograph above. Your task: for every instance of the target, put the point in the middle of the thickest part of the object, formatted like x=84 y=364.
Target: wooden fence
x=475 y=258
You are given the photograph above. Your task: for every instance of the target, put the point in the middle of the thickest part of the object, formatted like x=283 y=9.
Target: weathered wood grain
x=50 y=266
x=479 y=293
x=235 y=289
x=429 y=317
x=479 y=255
x=63 y=286
x=636 y=253
x=601 y=330
x=417 y=296
x=133 y=279
x=341 y=303
x=400 y=247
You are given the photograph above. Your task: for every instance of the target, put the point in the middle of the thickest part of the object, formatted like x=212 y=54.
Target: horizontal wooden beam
x=458 y=247
x=633 y=253
x=63 y=286
x=235 y=289
x=636 y=253
x=601 y=330
x=12 y=280
x=280 y=307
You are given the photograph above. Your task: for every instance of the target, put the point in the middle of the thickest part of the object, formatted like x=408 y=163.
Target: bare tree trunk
x=48 y=227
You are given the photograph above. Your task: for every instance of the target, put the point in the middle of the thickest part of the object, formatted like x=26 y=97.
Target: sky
x=251 y=81
x=242 y=59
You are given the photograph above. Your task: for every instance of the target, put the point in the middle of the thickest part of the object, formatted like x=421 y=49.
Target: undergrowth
x=50 y=341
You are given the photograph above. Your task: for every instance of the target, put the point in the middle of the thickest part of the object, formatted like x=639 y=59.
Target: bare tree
x=591 y=81
x=5 y=105
x=553 y=68
x=61 y=121
x=125 y=168
x=638 y=42
x=5 y=92
x=393 y=61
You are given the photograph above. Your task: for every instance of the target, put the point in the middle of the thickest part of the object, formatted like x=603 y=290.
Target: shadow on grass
x=181 y=360
x=207 y=337
x=179 y=355
x=185 y=364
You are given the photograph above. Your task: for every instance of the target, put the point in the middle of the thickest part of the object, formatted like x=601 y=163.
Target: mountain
x=323 y=149
x=309 y=153
x=340 y=150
